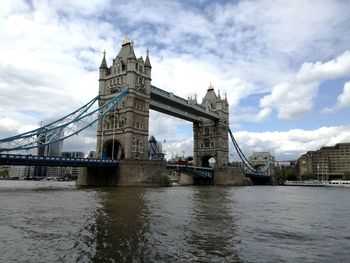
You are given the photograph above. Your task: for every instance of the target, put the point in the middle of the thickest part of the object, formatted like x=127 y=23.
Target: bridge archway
x=113 y=149
x=208 y=161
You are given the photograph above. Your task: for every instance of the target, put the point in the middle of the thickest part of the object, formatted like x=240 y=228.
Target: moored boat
x=338 y=183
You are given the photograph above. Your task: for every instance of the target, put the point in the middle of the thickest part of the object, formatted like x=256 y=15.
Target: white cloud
x=292 y=143
x=51 y=52
x=343 y=100
x=178 y=149
x=295 y=98
x=333 y=69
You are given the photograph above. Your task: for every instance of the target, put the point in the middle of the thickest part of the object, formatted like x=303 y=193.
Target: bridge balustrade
x=185 y=105
x=196 y=171
x=34 y=160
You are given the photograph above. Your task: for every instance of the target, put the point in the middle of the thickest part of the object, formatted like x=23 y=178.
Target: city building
x=52 y=149
x=20 y=171
x=154 y=150
x=71 y=172
x=262 y=159
x=327 y=163
x=123 y=133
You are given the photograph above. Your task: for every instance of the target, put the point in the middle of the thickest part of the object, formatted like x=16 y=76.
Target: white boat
x=332 y=183
x=338 y=183
x=304 y=183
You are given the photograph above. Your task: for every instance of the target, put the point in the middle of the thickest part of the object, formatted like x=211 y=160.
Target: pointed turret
x=226 y=101
x=147 y=62
x=127 y=51
x=148 y=66
x=104 y=63
x=210 y=97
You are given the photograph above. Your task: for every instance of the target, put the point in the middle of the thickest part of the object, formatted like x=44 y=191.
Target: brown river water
x=58 y=222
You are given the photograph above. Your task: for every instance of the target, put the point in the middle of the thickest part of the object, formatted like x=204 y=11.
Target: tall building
x=210 y=138
x=329 y=162
x=52 y=149
x=155 y=151
x=123 y=133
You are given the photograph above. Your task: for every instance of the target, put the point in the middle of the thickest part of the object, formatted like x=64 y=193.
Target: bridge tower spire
x=211 y=137
x=123 y=133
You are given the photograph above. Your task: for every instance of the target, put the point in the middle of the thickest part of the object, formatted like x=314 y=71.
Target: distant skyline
x=284 y=65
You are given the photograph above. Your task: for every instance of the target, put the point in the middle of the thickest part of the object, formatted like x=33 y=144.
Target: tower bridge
x=125 y=98
x=124 y=132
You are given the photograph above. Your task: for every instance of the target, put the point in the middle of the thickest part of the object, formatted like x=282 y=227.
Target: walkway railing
x=33 y=160
x=169 y=98
x=195 y=171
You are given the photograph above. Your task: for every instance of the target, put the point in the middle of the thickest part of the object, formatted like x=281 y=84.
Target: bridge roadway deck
x=33 y=160
x=196 y=171
x=168 y=103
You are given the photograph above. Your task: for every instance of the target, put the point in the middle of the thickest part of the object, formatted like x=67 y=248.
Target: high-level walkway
x=168 y=103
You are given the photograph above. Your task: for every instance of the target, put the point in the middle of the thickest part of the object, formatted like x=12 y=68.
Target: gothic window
x=141 y=145
x=118 y=69
x=113 y=70
x=206 y=143
x=133 y=146
x=140 y=68
x=202 y=145
x=206 y=131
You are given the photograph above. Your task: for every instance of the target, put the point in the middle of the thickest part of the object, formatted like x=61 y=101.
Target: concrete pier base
x=185 y=179
x=143 y=173
x=230 y=177
x=128 y=173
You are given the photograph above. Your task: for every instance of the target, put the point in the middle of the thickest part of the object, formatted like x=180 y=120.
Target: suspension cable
x=113 y=135
x=244 y=159
x=69 y=125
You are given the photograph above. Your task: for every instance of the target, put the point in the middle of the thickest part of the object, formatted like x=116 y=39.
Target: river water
x=57 y=222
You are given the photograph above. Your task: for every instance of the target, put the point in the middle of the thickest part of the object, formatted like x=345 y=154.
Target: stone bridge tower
x=211 y=137
x=123 y=133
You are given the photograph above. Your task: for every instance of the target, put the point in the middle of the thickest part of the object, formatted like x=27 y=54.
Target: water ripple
x=56 y=222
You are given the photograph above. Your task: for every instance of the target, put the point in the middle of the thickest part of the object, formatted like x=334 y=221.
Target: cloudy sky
x=284 y=65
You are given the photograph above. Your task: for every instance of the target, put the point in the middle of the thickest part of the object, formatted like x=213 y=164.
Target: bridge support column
x=185 y=179
x=96 y=176
x=128 y=173
x=142 y=173
x=232 y=177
